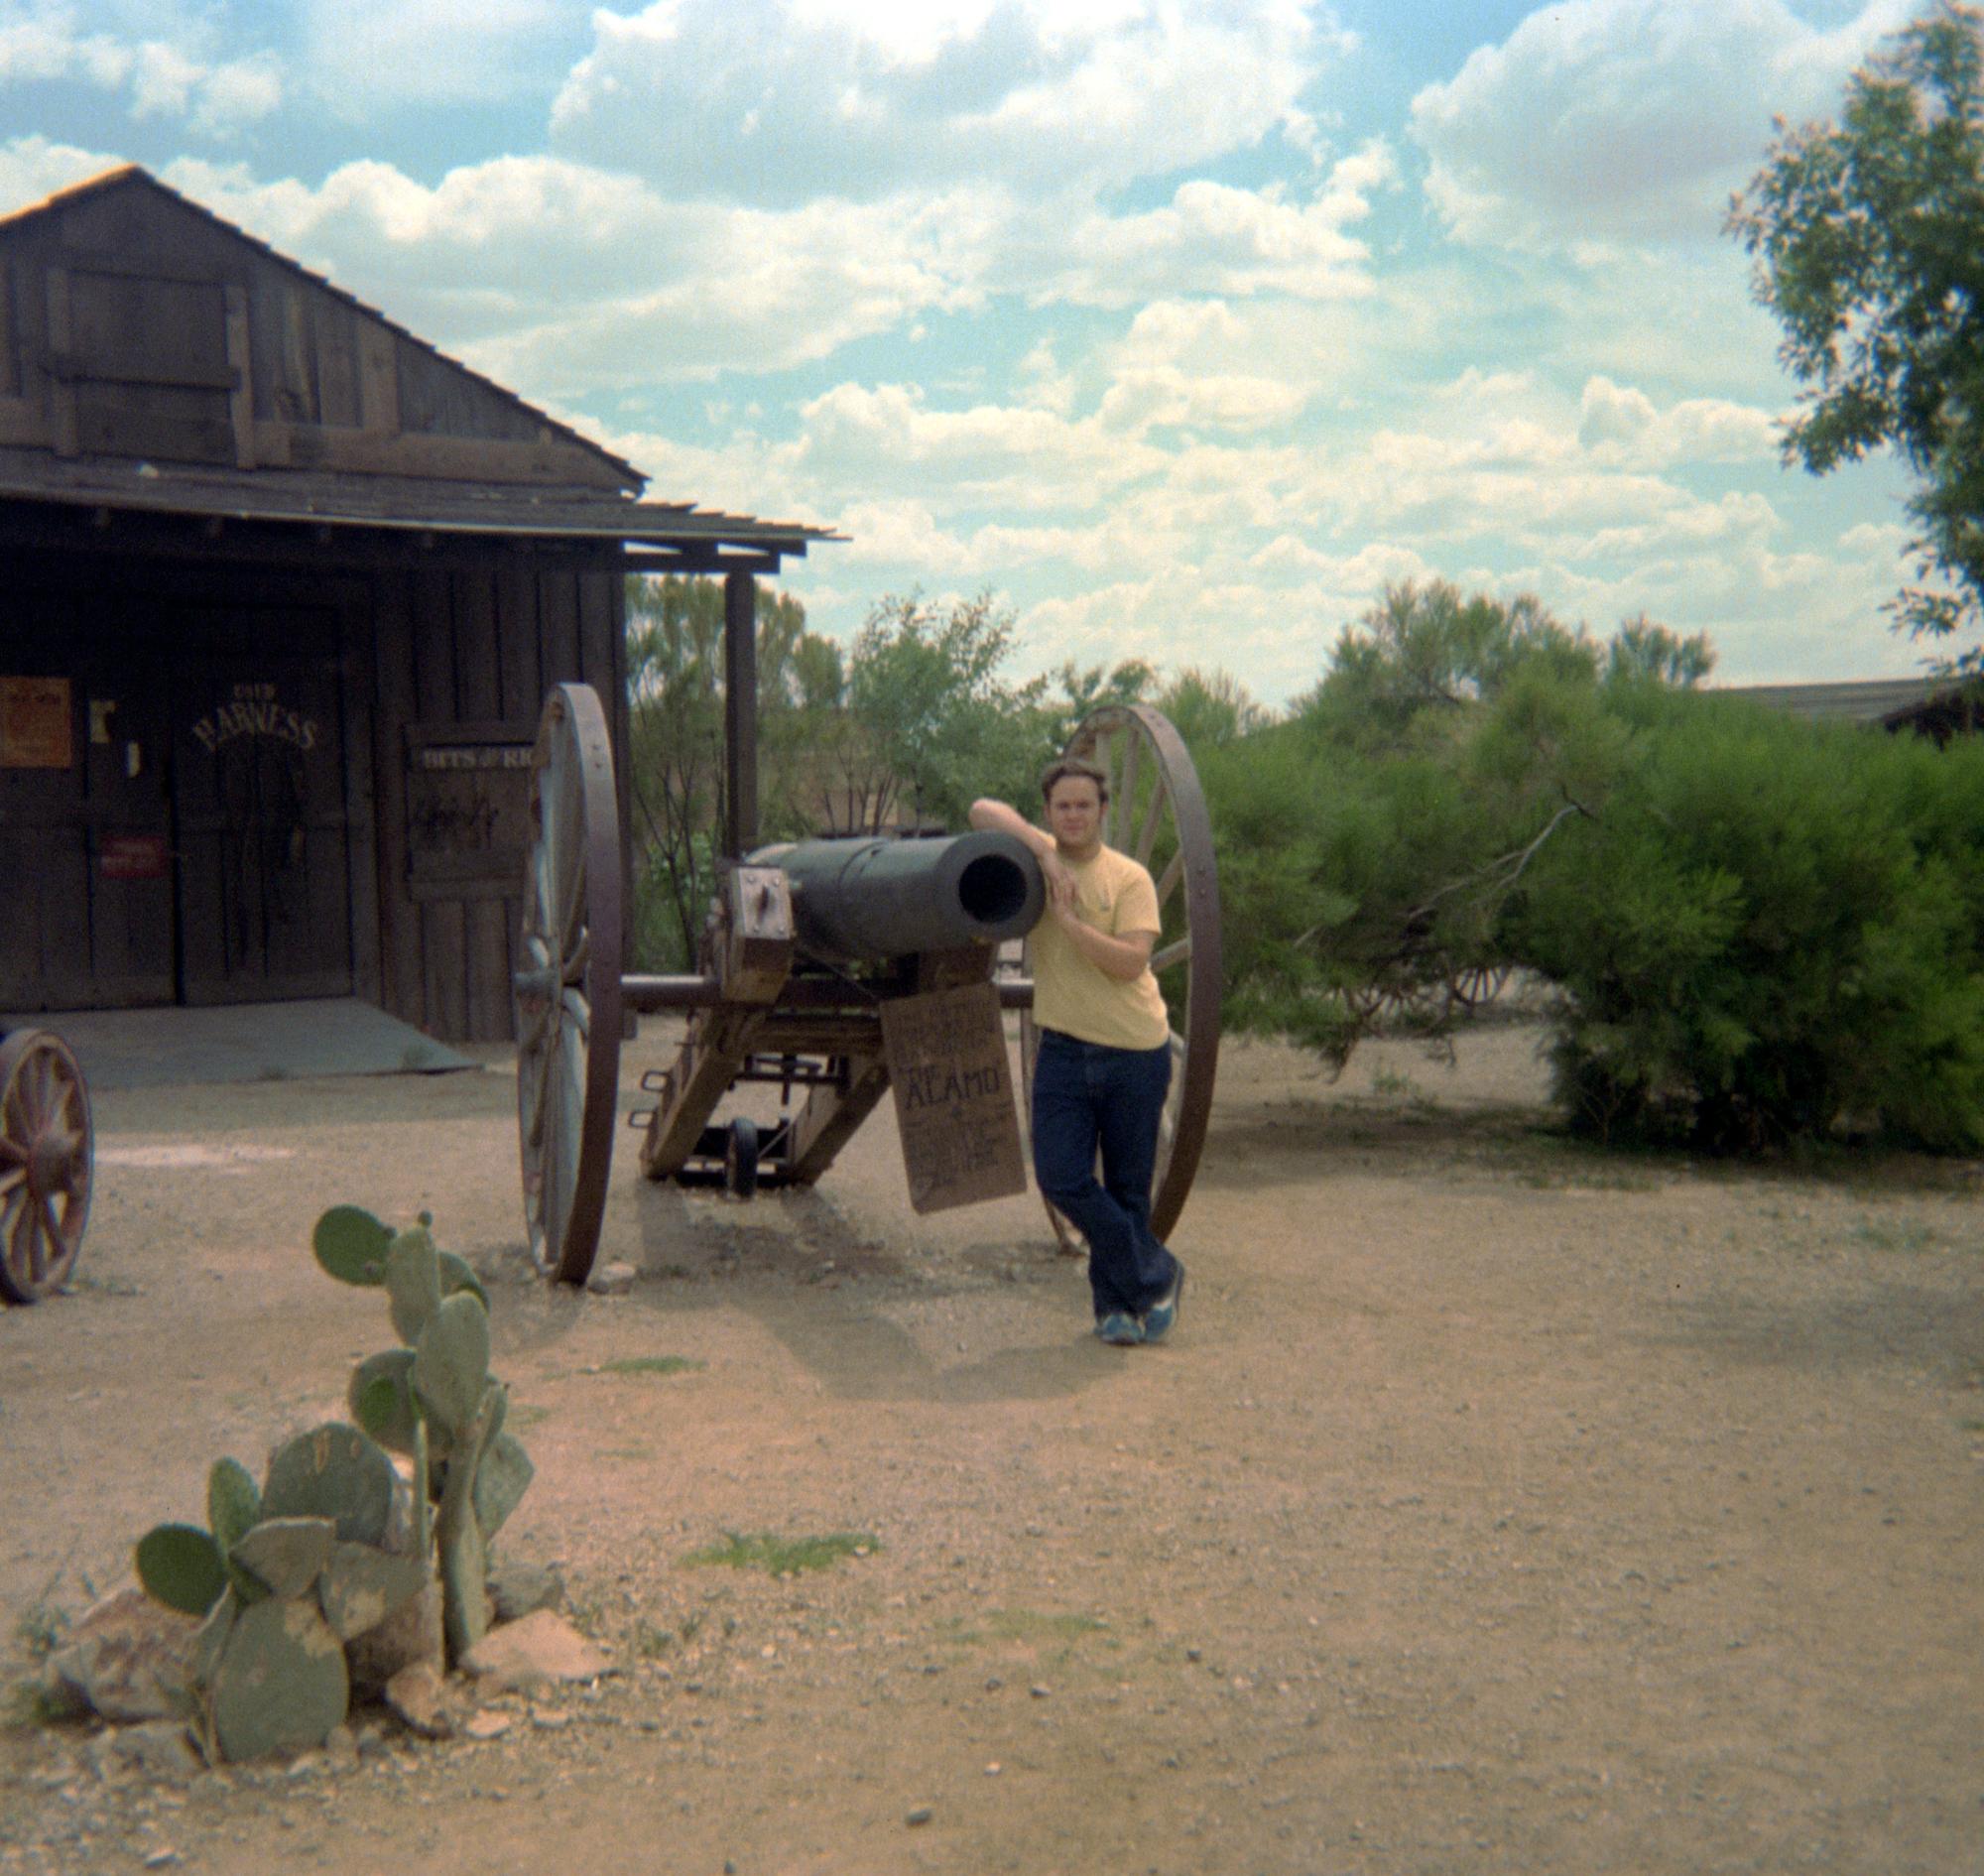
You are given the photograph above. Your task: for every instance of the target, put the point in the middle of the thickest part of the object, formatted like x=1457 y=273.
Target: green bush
x=1759 y=931
x=1770 y=933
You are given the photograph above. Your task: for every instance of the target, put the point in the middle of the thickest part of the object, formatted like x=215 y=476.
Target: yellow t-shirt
x=1115 y=895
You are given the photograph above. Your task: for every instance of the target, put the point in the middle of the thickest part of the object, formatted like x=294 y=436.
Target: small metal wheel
x=1156 y=814
x=46 y=1156
x=740 y=1158
x=567 y=985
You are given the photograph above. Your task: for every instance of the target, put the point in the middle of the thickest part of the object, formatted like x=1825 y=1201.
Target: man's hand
x=1059 y=877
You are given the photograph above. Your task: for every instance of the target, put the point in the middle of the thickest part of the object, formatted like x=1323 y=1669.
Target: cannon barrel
x=894 y=898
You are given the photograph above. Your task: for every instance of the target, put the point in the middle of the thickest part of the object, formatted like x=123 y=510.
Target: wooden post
x=740 y=710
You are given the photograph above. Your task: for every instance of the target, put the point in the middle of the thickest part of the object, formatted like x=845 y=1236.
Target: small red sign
x=133 y=856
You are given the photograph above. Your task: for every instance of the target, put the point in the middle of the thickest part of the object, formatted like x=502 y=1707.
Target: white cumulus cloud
x=754 y=101
x=1626 y=120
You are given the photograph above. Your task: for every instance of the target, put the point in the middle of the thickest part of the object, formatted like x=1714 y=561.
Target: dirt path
x=1496 y=1506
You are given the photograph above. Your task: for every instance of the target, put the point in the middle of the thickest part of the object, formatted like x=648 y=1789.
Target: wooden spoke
x=1153 y=818
x=569 y=991
x=48 y=1153
x=1173 y=823
x=1125 y=787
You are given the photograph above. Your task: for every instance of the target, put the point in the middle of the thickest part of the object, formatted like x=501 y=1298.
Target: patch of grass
x=1388 y=1084
x=1896 y=1234
x=783 y=1557
x=1030 y=1627
x=649 y=1640
x=647 y=1364
x=40 y=1626
x=521 y=1417
x=28 y=1704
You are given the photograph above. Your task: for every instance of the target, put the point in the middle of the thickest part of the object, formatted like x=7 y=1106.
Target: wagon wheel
x=1156 y=814
x=1483 y=984
x=567 y=985
x=45 y=1160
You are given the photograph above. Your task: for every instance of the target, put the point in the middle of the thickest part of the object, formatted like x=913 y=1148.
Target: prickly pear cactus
x=279 y=1684
x=433 y=1399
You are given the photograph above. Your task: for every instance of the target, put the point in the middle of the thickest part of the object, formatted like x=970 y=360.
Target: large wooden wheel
x=46 y=1155
x=567 y=985
x=1156 y=814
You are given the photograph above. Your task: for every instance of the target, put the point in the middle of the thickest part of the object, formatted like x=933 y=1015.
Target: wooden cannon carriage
x=804 y=950
x=47 y=1159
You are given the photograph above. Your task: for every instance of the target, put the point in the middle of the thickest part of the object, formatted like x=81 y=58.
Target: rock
x=410 y=1637
x=488 y=1724
x=612 y=1280
x=128 y=1658
x=519 y=1589
x=418 y=1694
x=159 y=1748
x=542 y=1646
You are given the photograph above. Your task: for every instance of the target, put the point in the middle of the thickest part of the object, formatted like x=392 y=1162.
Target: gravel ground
x=1497 y=1505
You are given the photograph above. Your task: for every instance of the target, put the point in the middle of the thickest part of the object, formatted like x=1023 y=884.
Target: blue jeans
x=1089 y=1098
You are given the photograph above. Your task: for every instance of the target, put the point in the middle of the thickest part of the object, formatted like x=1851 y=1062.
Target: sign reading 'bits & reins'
x=954 y=1085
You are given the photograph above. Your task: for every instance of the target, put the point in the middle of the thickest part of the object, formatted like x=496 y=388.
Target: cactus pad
x=281 y=1685
x=180 y=1565
x=351 y=1245
x=412 y=1282
x=284 y=1555
x=335 y=1472
x=362 y=1587
x=233 y=1502
x=501 y=1479
x=451 y=1364
x=456 y=1273
x=381 y=1398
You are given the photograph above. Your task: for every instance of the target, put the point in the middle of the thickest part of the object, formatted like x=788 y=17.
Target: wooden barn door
x=85 y=835
x=260 y=822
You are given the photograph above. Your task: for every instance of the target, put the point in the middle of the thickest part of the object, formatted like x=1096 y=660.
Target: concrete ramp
x=241 y=1042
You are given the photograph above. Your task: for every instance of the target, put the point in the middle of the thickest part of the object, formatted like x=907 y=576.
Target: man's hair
x=1067 y=769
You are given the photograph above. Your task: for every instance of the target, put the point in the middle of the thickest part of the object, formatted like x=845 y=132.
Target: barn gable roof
x=155 y=357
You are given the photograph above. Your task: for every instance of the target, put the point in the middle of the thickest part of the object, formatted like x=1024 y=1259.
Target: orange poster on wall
x=35 y=723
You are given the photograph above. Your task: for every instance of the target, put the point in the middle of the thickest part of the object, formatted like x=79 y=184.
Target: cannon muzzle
x=873 y=898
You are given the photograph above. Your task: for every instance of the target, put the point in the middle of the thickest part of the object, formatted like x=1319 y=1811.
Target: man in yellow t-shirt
x=1105 y=1059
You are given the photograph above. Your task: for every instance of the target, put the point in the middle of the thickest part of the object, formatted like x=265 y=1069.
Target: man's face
x=1074 y=813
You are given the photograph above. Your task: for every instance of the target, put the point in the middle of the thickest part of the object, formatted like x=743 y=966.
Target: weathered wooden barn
x=281 y=591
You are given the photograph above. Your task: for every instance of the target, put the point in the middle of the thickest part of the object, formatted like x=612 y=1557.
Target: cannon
x=807 y=949
x=46 y=1160
x=895 y=897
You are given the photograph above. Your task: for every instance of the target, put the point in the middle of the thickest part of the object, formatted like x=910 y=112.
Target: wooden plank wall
x=475 y=642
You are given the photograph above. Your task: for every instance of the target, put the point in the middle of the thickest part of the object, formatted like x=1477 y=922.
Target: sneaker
x=1160 y=1317
x=1119 y=1329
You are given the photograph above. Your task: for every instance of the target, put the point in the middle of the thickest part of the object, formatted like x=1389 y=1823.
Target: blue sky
x=1184 y=328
